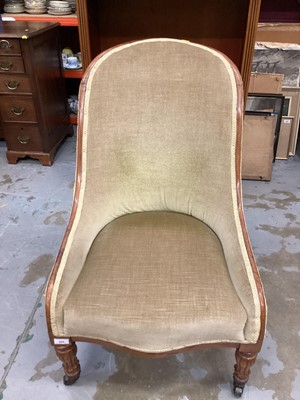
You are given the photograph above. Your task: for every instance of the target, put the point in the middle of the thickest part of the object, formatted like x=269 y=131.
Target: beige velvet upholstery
x=159 y=281
x=155 y=259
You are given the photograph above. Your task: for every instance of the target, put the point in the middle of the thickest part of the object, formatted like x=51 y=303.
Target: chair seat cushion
x=155 y=282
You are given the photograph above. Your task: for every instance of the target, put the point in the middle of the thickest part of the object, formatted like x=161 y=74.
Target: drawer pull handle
x=6 y=66
x=23 y=139
x=4 y=44
x=12 y=85
x=18 y=110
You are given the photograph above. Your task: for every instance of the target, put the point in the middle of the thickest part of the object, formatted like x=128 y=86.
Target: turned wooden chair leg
x=244 y=362
x=67 y=354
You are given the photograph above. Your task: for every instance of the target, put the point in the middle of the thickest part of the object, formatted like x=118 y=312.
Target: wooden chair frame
x=245 y=354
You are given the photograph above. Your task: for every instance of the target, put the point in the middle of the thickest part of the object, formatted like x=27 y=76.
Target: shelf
x=73 y=74
x=64 y=20
x=73 y=119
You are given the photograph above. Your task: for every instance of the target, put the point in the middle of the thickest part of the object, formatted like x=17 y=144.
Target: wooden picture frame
x=258 y=145
x=286 y=112
x=285 y=60
x=294 y=111
x=269 y=103
x=284 y=138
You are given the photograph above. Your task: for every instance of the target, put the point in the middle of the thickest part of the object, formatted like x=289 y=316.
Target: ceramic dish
x=59 y=9
x=59 y=12
x=38 y=5
x=14 y=3
x=14 y=9
x=59 y=4
x=36 y=10
x=78 y=66
x=35 y=2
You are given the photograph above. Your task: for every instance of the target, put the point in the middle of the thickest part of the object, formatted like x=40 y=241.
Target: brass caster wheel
x=238 y=391
x=69 y=380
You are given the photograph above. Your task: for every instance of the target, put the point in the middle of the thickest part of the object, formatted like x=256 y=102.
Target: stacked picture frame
x=261 y=103
x=262 y=123
x=292 y=112
x=283 y=58
x=258 y=145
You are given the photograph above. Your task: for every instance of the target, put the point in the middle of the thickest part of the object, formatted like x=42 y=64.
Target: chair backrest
x=158 y=131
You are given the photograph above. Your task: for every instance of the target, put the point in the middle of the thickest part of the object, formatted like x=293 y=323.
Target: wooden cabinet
x=69 y=36
x=227 y=25
x=33 y=107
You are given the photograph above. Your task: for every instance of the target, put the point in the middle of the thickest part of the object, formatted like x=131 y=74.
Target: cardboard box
x=258 y=146
x=265 y=83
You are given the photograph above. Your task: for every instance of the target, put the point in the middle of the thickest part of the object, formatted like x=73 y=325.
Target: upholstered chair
x=156 y=258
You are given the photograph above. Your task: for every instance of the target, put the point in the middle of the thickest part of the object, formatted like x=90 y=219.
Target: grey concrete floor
x=35 y=203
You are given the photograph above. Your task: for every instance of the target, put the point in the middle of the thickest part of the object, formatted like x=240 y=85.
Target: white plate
x=59 y=9
x=56 y=4
x=14 y=10
x=67 y=66
x=59 y=13
x=36 y=10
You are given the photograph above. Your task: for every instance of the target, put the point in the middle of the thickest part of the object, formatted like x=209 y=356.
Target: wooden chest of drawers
x=33 y=106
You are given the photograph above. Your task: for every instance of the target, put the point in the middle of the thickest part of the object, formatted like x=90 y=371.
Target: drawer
x=9 y=46
x=11 y=64
x=13 y=83
x=21 y=137
x=17 y=108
